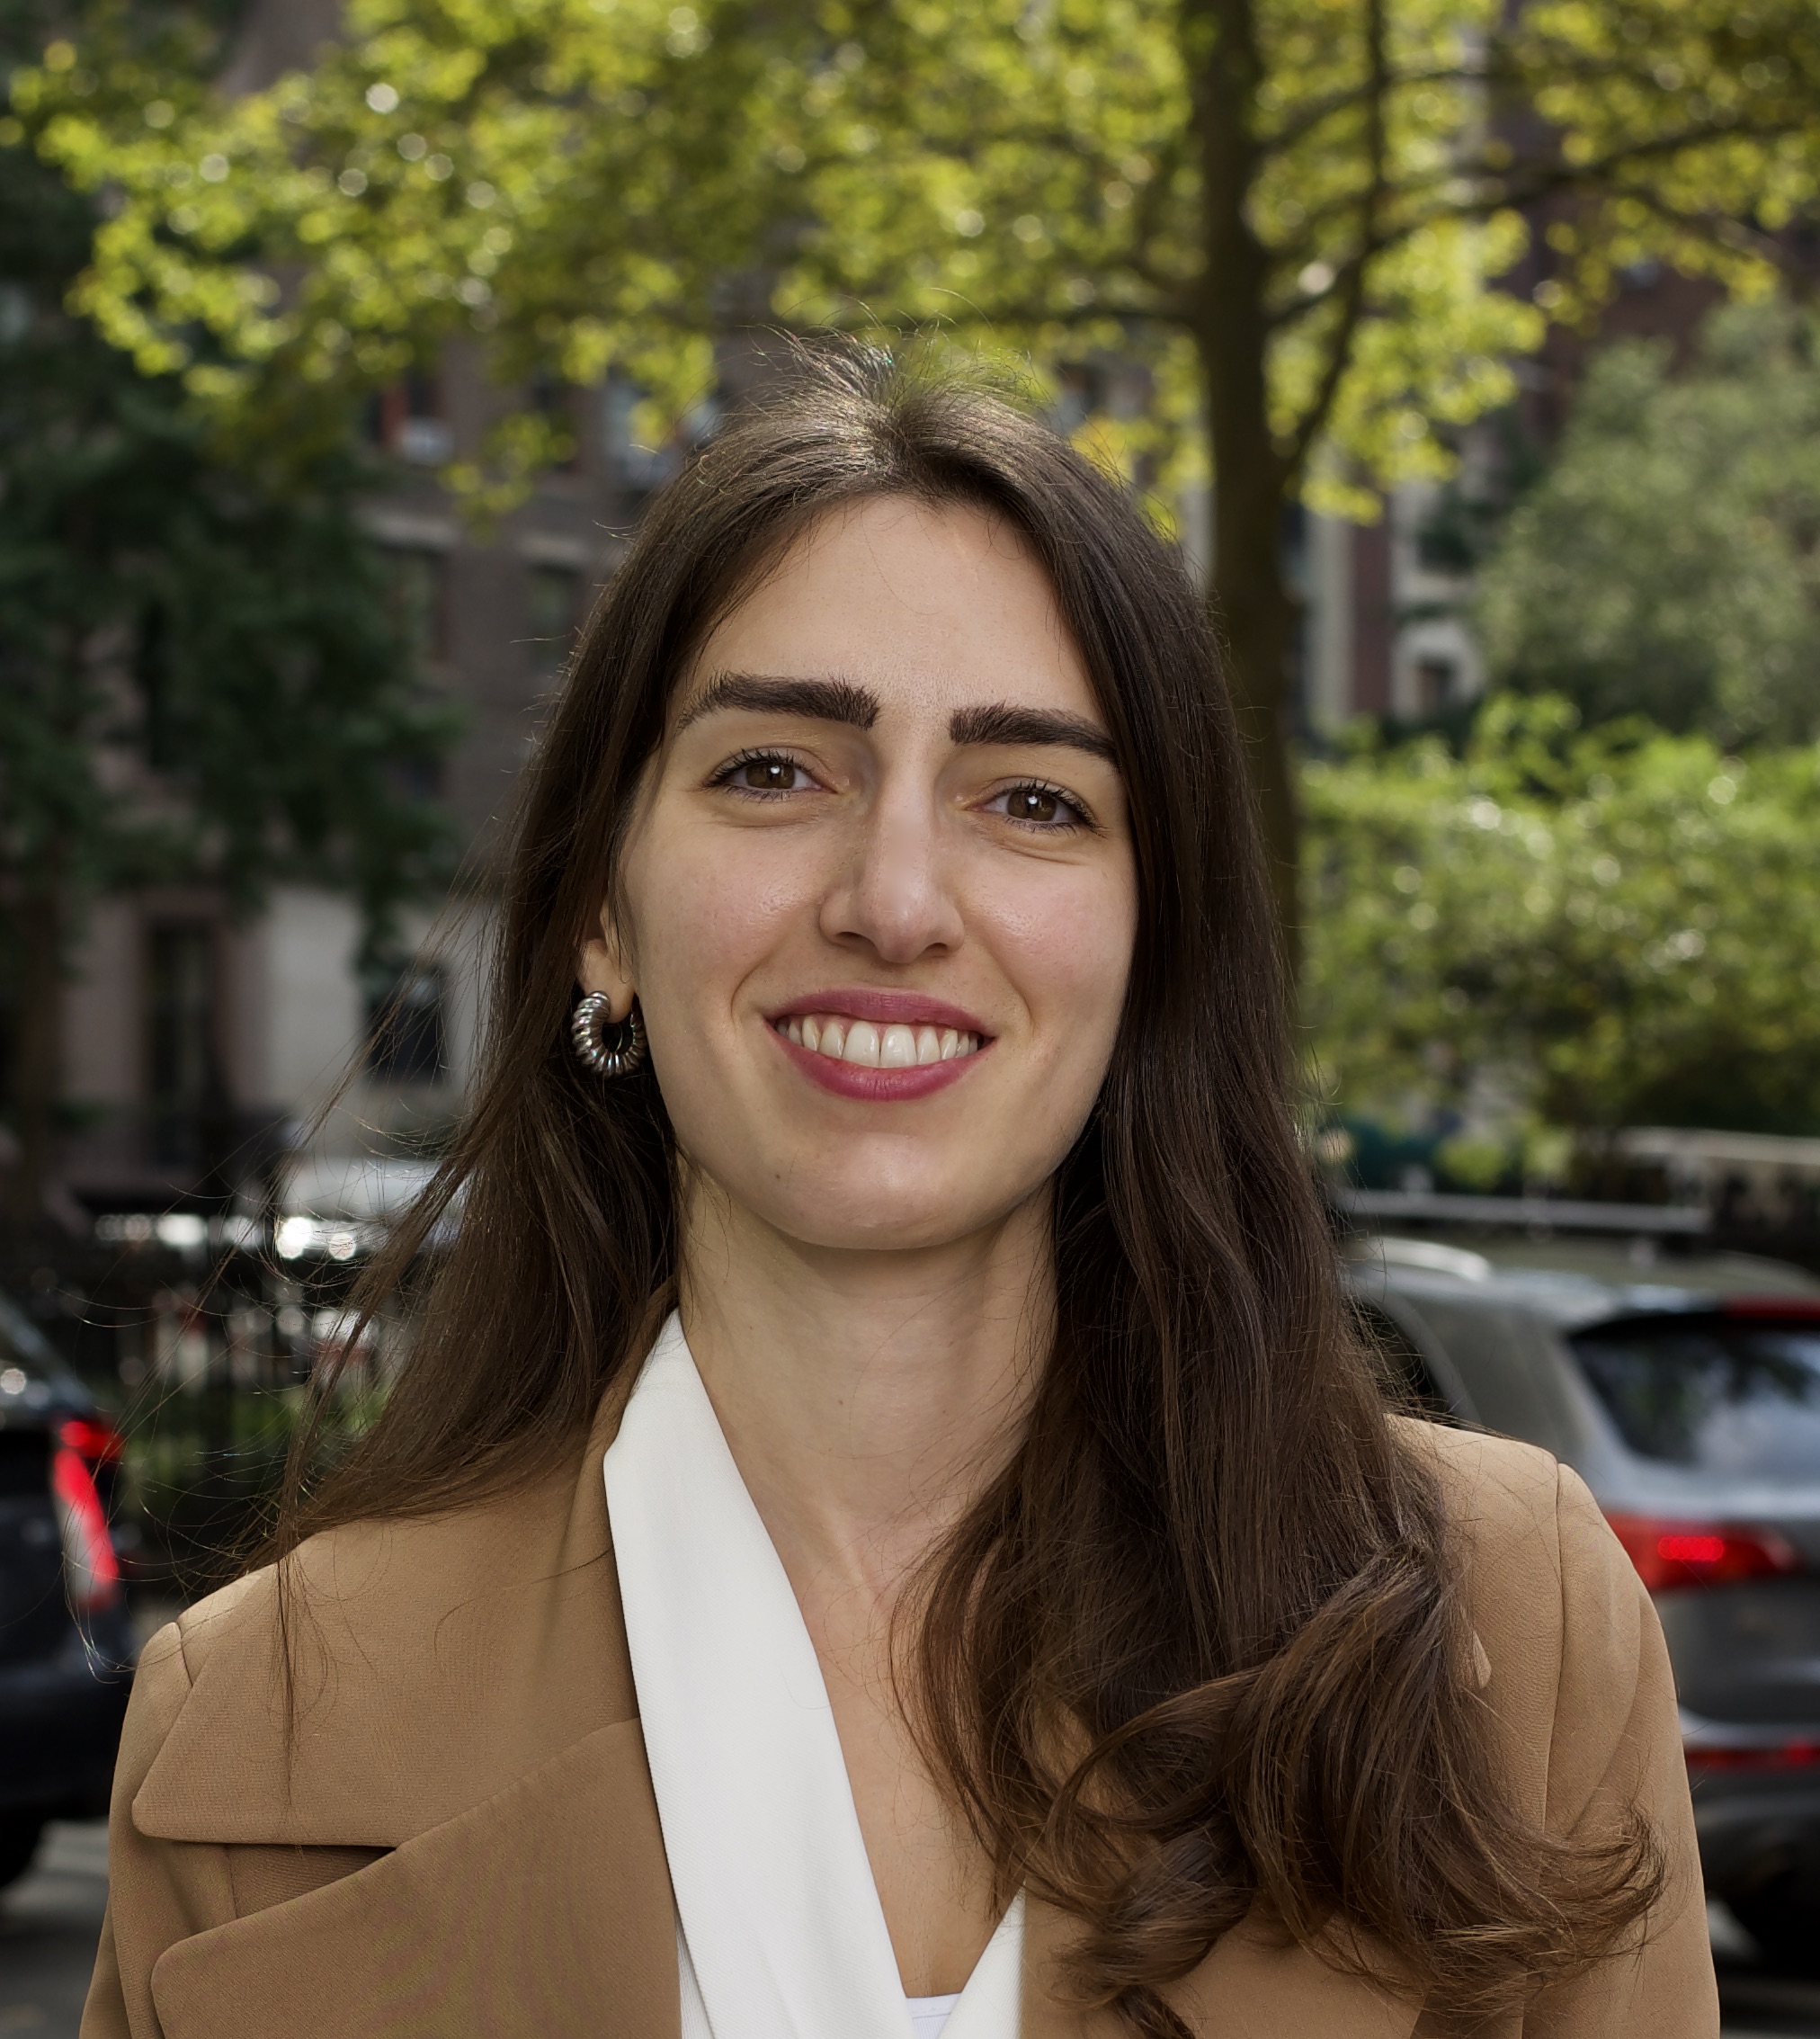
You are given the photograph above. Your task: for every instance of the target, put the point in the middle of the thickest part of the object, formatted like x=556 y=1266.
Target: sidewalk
x=49 y=1922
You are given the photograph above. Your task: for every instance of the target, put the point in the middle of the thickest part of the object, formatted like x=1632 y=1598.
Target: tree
x=1295 y=210
x=1566 y=928
x=1668 y=562
x=200 y=678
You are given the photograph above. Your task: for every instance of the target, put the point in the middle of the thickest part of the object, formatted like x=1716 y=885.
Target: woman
x=999 y=1598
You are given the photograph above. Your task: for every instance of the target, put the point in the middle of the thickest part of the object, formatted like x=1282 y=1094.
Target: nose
x=894 y=895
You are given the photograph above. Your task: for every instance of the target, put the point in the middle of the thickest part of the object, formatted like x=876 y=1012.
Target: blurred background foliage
x=201 y=675
x=1668 y=562
x=1560 y=928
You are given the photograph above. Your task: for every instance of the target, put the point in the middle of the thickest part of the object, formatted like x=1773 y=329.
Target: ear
x=603 y=967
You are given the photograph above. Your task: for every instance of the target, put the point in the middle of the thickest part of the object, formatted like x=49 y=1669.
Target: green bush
x=1564 y=929
x=1668 y=562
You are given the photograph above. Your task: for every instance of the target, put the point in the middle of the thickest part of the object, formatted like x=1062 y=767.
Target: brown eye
x=1032 y=803
x=767 y=775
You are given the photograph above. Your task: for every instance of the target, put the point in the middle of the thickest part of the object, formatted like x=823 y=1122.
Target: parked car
x=1685 y=1389
x=66 y=1645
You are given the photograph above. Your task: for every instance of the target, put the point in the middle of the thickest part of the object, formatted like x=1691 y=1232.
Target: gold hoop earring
x=588 y=1030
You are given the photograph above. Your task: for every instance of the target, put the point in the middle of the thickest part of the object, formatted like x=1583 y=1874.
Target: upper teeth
x=876 y=1047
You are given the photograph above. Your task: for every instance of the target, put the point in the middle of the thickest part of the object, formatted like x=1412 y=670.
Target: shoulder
x=1564 y=1624
x=388 y=1674
x=1489 y=1485
x=383 y=1583
x=1509 y=1503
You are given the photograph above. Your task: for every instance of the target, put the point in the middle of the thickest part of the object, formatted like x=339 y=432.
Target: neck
x=867 y=1397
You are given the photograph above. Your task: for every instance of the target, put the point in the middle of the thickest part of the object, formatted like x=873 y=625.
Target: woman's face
x=880 y=899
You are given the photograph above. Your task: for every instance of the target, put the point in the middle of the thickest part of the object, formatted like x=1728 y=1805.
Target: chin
x=869 y=1218
x=884 y=1229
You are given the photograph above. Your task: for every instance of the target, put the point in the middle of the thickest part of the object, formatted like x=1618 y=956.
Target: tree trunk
x=1256 y=613
x=37 y=1072
x=1255 y=609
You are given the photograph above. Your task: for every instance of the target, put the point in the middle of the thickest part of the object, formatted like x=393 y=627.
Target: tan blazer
x=465 y=1841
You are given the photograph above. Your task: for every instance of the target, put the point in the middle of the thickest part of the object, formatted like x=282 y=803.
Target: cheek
x=703 y=919
x=1067 y=948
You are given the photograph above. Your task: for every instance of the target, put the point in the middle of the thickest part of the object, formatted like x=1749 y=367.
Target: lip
x=885 y=1008
x=875 y=1086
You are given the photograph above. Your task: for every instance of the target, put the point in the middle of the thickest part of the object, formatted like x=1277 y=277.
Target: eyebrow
x=1003 y=724
x=821 y=700
x=840 y=701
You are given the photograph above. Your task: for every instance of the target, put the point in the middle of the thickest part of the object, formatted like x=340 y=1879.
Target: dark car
x=1685 y=1390
x=66 y=1645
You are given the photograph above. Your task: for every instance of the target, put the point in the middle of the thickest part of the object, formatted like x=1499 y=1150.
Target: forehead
x=928 y=606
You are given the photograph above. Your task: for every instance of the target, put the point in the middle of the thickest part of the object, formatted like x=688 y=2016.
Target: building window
x=1084 y=392
x=419 y=578
x=552 y=601
x=183 y=1072
x=555 y=400
x=152 y=668
x=405 y=418
x=1437 y=684
x=634 y=465
x=9 y=1018
x=420 y=778
x=408 y=1036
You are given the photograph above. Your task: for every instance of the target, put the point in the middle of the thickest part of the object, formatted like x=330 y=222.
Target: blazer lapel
x=543 y=1910
x=434 y=1663
x=1253 y=1985
x=462 y=1702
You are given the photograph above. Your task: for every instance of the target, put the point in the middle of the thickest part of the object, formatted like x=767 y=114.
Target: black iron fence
x=200 y=1349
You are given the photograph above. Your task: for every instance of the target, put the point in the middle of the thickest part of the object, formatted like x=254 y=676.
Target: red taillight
x=1782 y=1756
x=1669 y=1555
x=94 y=1438
x=91 y=1571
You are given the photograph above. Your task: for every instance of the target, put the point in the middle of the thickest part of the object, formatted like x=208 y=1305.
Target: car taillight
x=1802 y=1754
x=91 y=1571
x=94 y=1438
x=1670 y=1554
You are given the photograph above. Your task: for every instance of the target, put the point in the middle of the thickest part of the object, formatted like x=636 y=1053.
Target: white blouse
x=780 y=1932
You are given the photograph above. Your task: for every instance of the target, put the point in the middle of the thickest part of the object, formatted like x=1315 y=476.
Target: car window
x=24 y=1465
x=1507 y=1365
x=1725 y=1394
x=1408 y=1385
x=22 y=1342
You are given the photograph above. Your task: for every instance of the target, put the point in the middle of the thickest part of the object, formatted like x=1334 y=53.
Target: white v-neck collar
x=780 y=1934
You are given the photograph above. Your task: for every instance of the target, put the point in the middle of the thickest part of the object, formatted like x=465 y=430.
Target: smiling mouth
x=870 y=1046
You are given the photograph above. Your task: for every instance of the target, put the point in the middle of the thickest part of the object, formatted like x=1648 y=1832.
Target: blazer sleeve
x=158 y=1891
x=1616 y=1747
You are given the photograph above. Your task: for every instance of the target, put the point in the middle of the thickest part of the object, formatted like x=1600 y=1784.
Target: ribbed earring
x=588 y=1030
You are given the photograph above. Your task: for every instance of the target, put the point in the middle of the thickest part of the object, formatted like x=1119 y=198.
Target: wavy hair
x=1202 y=1643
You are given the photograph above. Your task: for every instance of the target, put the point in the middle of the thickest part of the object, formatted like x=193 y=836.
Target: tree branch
x=1352 y=298
x=1163 y=311
x=1543 y=179
x=1499 y=192
x=1151 y=198
x=1282 y=139
x=1721 y=227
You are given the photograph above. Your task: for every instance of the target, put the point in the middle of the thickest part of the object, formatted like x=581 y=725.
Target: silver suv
x=1685 y=1390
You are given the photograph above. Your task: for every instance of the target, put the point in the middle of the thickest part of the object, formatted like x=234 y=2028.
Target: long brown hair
x=1202 y=1643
